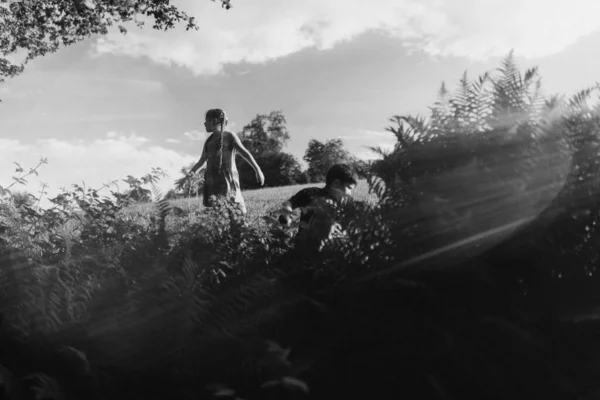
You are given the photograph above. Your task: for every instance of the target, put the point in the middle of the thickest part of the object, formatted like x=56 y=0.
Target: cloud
x=171 y=140
x=94 y=162
x=362 y=139
x=347 y=137
x=379 y=134
x=105 y=117
x=534 y=28
x=197 y=135
x=133 y=139
x=194 y=135
x=366 y=155
x=10 y=94
x=17 y=57
x=265 y=30
x=138 y=85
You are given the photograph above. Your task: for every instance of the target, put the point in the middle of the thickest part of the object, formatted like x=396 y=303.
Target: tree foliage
x=39 y=27
x=265 y=137
x=320 y=156
x=265 y=134
x=172 y=194
x=279 y=168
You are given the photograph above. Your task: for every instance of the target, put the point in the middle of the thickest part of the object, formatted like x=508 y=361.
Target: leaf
x=289 y=382
x=90 y=4
x=279 y=352
x=79 y=355
x=224 y=392
x=7 y=381
x=45 y=387
x=270 y=219
x=22 y=181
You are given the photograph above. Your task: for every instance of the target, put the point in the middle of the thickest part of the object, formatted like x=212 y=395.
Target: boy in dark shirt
x=339 y=183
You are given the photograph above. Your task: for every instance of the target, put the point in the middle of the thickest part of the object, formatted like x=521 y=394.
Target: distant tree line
x=265 y=137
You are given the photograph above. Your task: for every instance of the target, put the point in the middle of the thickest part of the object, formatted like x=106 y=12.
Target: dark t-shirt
x=305 y=198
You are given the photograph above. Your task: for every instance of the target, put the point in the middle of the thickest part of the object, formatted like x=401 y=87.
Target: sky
x=118 y=105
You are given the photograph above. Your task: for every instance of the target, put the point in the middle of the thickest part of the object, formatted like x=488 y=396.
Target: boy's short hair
x=343 y=172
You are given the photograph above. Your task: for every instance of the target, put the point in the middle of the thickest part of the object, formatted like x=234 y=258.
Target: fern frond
x=45 y=387
x=378 y=150
x=163 y=205
x=399 y=132
x=163 y=208
x=537 y=104
x=509 y=70
x=579 y=100
x=9 y=383
x=79 y=356
x=417 y=127
x=238 y=309
x=442 y=93
x=529 y=75
x=461 y=99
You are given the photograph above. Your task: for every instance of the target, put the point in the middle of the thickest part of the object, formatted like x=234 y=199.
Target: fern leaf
x=292 y=383
x=45 y=387
x=529 y=75
x=8 y=383
x=79 y=356
x=163 y=205
x=289 y=383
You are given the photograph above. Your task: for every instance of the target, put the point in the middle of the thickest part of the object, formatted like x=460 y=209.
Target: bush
x=279 y=169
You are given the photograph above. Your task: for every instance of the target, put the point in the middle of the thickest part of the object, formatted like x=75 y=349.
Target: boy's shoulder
x=308 y=195
x=311 y=191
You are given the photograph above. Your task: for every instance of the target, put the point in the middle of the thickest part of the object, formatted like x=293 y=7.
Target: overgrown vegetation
x=98 y=300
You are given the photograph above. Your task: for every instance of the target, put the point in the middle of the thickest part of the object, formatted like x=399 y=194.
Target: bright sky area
x=118 y=105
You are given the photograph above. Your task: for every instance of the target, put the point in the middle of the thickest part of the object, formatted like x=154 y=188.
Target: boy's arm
x=284 y=212
x=300 y=199
x=286 y=208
